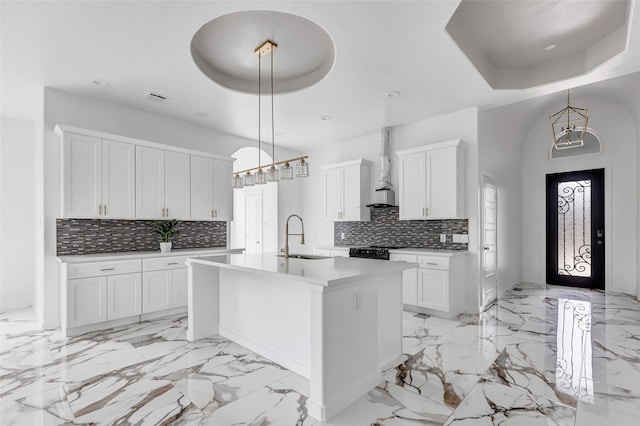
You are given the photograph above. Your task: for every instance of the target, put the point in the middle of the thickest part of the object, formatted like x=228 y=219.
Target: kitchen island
x=335 y=321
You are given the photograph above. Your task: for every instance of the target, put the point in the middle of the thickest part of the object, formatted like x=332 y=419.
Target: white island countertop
x=325 y=272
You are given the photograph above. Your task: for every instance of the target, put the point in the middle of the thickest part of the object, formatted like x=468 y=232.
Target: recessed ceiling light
x=549 y=47
x=201 y=113
x=394 y=94
x=99 y=82
x=325 y=117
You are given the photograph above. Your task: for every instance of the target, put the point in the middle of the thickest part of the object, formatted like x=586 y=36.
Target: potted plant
x=166 y=229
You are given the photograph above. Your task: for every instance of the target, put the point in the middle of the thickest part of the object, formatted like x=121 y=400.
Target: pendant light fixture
x=569 y=126
x=273 y=174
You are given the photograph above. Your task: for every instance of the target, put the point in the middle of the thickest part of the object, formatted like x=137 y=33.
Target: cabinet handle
x=423 y=212
x=212 y=214
x=173 y=263
x=167 y=211
x=107 y=269
x=104 y=209
x=215 y=214
x=99 y=209
x=432 y=263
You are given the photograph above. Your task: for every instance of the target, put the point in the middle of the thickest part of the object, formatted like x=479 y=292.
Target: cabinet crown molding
x=61 y=129
x=432 y=146
x=347 y=163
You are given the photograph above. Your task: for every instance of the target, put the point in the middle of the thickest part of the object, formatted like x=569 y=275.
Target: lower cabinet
x=335 y=252
x=164 y=289
x=436 y=287
x=98 y=299
x=433 y=289
x=86 y=301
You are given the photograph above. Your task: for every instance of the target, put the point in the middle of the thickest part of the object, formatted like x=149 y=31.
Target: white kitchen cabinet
x=123 y=296
x=211 y=192
x=164 y=283
x=431 y=181
x=436 y=286
x=98 y=178
x=409 y=279
x=347 y=191
x=433 y=289
x=222 y=190
x=163 y=184
x=180 y=287
x=86 y=301
x=157 y=291
x=102 y=291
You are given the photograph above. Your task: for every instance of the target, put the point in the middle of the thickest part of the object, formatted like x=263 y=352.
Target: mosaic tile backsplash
x=384 y=229
x=91 y=236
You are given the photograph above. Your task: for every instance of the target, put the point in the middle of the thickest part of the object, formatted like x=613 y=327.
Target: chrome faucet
x=286 y=236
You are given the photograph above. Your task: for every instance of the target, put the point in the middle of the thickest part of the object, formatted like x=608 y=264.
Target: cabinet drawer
x=160 y=263
x=433 y=262
x=99 y=269
x=411 y=258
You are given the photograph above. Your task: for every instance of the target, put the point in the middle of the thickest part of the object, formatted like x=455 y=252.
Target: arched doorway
x=255 y=209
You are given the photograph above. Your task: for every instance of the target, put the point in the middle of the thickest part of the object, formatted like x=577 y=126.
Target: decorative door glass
x=574 y=228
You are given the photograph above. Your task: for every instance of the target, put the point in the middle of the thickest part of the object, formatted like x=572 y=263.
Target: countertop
x=324 y=272
x=408 y=250
x=143 y=254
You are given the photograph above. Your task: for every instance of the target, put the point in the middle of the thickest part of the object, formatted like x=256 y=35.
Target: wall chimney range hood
x=383 y=194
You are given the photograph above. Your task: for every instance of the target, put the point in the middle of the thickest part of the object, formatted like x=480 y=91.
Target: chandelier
x=256 y=175
x=569 y=126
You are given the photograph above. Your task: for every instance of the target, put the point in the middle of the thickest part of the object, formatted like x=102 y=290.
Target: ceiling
x=380 y=47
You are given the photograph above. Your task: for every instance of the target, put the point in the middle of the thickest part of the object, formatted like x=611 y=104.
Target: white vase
x=165 y=247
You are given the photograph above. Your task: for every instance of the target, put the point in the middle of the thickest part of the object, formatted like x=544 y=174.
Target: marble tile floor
x=541 y=355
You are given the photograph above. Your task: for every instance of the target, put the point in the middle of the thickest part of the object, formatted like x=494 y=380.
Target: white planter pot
x=165 y=247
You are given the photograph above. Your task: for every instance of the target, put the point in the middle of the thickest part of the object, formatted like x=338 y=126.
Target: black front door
x=575 y=228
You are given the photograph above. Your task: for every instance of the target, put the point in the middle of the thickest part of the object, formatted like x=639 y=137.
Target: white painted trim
x=347 y=163
x=342 y=400
x=439 y=145
x=277 y=357
x=60 y=130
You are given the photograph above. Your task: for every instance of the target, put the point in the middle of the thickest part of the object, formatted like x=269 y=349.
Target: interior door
x=253 y=222
x=489 y=242
x=575 y=228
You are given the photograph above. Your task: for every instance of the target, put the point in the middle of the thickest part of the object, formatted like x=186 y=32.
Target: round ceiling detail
x=224 y=48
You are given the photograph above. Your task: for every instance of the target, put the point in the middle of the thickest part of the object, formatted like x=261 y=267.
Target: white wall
x=617 y=130
x=63 y=108
x=18 y=214
x=461 y=124
x=500 y=153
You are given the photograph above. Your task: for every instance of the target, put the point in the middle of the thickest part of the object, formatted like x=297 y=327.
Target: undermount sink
x=305 y=256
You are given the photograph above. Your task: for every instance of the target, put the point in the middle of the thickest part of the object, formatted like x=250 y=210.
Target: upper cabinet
x=107 y=176
x=432 y=181
x=211 y=196
x=163 y=184
x=347 y=191
x=98 y=178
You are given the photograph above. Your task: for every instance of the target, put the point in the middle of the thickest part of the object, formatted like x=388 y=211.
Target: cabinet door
x=410 y=286
x=340 y=253
x=351 y=190
x=201 y=188
x=333 y=194
x=124 y=293
x=412 y=186
x=118 y=180
x=177 y=185
x=222 y=190
x=441 y=190
x=86 y=301
x=82 y=177
x=180 y=287
x=433 y=289
x=157 y=291
x=149 y=183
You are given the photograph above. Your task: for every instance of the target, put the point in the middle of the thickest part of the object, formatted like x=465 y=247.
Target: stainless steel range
x=372 y=252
